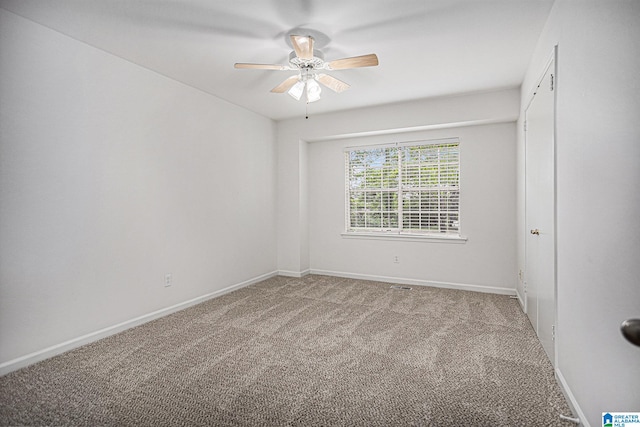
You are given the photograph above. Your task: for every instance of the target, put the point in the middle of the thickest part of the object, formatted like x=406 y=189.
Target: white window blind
x=404 y=188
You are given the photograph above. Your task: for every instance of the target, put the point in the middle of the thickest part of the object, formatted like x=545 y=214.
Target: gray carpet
x=316 y=351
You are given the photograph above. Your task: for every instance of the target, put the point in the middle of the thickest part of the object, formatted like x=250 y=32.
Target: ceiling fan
x=310 y=63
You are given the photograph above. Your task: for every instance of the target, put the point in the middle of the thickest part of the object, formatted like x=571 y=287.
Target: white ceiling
x=426 y=48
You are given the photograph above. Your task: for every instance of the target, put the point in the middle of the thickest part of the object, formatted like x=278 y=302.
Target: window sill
x=406 y=237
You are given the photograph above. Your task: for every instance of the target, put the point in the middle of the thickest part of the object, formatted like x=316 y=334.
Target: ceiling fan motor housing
x=314 y=63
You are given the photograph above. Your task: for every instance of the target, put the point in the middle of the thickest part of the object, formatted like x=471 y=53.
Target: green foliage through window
x=404 y=188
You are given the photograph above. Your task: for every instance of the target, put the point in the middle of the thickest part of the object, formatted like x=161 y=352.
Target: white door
x=540 y=211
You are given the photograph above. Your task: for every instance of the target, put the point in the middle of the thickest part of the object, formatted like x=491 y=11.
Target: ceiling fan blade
x=333 y=83
x=303 y=45
x=285 y=85
x=261 y=66
x=354 y=62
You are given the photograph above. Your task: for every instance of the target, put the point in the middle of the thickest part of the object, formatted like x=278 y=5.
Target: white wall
x=598 y=197
x=487 y=215
x=309 y=151
x=111 y=176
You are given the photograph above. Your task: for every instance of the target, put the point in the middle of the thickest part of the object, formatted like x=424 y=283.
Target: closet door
x=540 y=253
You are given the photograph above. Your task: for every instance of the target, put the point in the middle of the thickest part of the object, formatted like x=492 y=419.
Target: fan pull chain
x=306 y=106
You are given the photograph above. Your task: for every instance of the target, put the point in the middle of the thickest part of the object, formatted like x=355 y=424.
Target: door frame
x=553 y=60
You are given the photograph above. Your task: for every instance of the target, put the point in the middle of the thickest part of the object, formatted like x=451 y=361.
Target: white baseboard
x=37 y=356
x=297 y=274
x=403 y=281
x=520 y=300
x=573 y=403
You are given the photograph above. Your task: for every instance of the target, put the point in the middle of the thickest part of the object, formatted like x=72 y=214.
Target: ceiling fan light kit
x=313 y=91
x=305 y=83
x=296 y=90
x=308 y=61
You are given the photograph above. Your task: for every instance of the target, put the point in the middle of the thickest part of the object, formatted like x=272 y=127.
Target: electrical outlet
x=520 y=274
x=168 y=279
x=396 y=259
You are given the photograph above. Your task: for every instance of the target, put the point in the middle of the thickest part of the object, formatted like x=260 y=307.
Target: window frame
x=400 y=232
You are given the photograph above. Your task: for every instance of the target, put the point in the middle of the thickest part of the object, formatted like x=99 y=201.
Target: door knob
x=631 y=330
x=535 y=231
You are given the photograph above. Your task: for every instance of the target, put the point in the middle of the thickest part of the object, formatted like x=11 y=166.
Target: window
x=404 y=188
